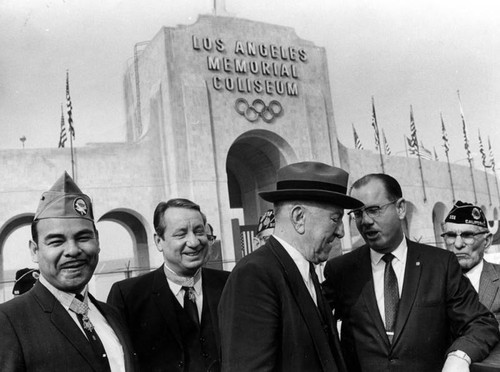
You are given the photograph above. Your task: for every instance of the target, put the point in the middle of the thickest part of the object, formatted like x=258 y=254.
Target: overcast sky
x=401 y=52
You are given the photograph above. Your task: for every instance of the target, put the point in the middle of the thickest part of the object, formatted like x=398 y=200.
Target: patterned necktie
x=81 y=309
x=391 y=295
x=190 y=305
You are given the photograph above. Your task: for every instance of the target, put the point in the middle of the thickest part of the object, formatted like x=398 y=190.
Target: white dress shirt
x=302 y=265
x=179 y=292
x=474 y=275
x=378 y=267
x=110 y=341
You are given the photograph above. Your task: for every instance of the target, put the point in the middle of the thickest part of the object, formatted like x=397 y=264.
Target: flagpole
x=406 y=148
x=469 y=158
x=412 y=120
x=70 y=125
x=492 y=162
x=377 y=135
x=446 y=149
x=483 y=159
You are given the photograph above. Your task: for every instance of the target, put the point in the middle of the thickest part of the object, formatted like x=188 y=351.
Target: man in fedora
x=272 y=314
x=58 y=325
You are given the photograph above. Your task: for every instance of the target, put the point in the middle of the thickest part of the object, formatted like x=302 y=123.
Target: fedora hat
x=310 y=180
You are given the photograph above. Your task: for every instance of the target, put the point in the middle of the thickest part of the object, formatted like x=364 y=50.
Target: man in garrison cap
x=58 y=325
x=465 y=233
x=272 y=313
x=265 y=229
x=25 y=280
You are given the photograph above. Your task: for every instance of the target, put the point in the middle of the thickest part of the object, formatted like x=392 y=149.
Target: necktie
x=391 y=295
x=81 y=309
x=190 y=304
x=322 y=307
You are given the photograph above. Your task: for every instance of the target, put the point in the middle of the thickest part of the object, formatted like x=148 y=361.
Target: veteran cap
x=266 y=221
x=25 y=280
x=466 y=213
x=64 y=200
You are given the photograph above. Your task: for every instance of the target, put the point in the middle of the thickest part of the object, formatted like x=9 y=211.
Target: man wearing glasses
x=466 y=234
x=404 y=306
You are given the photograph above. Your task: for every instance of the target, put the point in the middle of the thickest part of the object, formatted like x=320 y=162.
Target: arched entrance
x=251 y=166
x=19 y=252
x=134 y=226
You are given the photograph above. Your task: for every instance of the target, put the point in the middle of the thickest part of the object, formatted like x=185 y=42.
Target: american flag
x=444 y=136
x=375 y=126
x=464 y=127
x=357 y=142
x=424 y=153
x=70 y=107
x=386 y=144
x=62 y=136
x=413 y=133
x=492 y=159
x=481 y=150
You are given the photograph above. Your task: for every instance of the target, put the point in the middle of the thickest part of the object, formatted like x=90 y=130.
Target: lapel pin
x=417 y=263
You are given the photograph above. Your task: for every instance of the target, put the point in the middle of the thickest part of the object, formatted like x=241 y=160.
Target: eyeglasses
x=211 y=238
x=373 y=212
x=467 y=236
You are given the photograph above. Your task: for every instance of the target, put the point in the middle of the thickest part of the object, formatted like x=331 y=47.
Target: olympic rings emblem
x=258 y=109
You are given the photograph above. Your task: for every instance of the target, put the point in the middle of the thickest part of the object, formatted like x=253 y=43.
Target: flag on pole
x=481 y=150
x=386 y=144
x=424 y=153
x=70 y=108
x=412 y=150
x=492 y=159
x=375 y=126
x=444 y=136
x=464 y=127
x=436 y=158
x=357 y=142
x=413 y=132
x=62 y=135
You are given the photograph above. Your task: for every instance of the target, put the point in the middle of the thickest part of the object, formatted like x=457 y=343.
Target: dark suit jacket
x=489 y=285
x=38 y=334
x=147 y=304
x=268 y=319
x=439 y=312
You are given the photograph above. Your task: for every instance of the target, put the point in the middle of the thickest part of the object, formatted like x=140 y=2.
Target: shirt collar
x=176 y=287
x=65 y=298
x=297 y=257
x=475 y=273
x=400 y=253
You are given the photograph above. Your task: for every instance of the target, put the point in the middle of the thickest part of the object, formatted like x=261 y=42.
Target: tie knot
x=388 y=257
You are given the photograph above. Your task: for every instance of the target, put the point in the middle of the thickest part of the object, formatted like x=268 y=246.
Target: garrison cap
x=25 y=280
x=466 y=213
x=266 y=221
x=64 y=200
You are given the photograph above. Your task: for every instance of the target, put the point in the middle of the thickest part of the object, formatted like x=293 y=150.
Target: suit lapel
x=488 y=285
x=368 y=292
x=305 y=303
x=119 y=332
x=411 y=281
x=165 y=301
x=61 y=320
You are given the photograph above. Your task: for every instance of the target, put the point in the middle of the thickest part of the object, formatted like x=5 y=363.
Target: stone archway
x=133 y=223
x=6 y=230
x=251 y=165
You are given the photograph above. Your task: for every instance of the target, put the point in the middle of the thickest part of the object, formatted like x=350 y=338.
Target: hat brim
x=336 y=198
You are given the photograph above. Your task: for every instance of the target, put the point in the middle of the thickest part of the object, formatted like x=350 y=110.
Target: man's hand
x=455 y=364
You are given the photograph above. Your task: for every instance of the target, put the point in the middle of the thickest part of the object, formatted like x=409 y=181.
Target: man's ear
x=298 y=218
x=488 y=240
x=34 y=251
x=158 y=240
x=401 y=208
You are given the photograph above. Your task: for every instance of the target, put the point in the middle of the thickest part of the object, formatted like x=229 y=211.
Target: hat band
x=308 y=185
